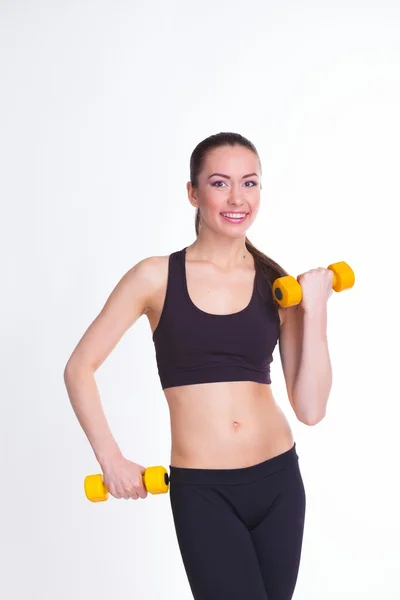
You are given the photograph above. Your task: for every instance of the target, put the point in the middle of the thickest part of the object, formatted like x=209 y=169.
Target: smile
x=234 y=217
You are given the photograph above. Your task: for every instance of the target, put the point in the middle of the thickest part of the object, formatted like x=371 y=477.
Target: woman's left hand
x=316 y=287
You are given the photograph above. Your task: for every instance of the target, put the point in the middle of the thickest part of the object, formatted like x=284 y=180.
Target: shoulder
x=144 y=276
x=151 y=276
x=151 y=269
x=149 y=273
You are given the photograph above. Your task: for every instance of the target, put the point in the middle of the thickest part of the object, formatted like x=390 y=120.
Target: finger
x=140 y=489
x=122 y=493
x=127 y=492
x=131 y=492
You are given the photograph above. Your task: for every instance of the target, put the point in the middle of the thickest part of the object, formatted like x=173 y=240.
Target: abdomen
x=226 y=425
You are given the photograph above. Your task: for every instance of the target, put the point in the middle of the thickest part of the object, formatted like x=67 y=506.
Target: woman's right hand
x=123 y=479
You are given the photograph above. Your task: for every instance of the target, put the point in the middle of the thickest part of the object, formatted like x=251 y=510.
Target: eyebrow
x=227 y=176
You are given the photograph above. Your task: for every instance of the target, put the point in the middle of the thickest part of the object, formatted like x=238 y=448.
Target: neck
x=224 y=252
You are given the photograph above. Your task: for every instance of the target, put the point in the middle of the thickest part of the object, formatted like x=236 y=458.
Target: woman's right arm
x=130 y=299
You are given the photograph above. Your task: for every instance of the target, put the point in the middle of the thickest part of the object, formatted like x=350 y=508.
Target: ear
x=192 y=195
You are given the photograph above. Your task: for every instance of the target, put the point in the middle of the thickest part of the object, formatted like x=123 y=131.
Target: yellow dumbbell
x=287 y=290
x=155 y=480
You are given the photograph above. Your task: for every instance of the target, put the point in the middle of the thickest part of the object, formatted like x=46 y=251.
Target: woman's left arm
x=304 y=348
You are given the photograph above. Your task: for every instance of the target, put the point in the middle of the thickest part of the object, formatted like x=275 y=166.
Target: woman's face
x=228 y=191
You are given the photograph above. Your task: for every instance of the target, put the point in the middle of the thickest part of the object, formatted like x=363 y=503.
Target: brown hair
x=270 y=269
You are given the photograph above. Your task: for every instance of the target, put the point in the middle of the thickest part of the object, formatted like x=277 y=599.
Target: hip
x=251 y=493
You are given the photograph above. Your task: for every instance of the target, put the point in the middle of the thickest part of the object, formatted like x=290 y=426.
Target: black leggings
x=240 y=531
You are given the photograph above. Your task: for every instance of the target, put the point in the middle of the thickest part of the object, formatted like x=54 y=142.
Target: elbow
x=66 y=373
x=69 y=371
x=310 y=408
x=75 y=366
x=311 y=419
x=72 y=374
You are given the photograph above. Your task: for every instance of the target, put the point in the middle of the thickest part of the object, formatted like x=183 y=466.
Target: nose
x=235 y=197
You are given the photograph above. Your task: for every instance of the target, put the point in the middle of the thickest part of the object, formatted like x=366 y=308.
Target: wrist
x=314 y=313
x=107 y=456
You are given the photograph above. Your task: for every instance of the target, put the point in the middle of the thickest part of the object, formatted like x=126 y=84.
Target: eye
x=215 y=184
x=253 y=182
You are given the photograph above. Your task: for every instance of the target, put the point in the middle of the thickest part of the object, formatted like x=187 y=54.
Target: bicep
x=290 y=344
x=126 y=303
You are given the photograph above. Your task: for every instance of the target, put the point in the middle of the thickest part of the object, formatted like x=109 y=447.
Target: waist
x=235 y=476
x=226 y=425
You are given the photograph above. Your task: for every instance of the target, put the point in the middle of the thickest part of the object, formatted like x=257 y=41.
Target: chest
x=219 y=293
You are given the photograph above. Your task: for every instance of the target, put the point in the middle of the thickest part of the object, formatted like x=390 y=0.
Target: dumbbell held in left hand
x=287 y=290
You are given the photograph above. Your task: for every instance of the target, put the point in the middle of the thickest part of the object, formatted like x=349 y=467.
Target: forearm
x=85 y=400
x=313 y=382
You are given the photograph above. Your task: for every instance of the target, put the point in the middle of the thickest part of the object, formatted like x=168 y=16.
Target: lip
x=235 y=221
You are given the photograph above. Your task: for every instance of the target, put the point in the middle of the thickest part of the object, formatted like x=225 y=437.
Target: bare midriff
x=225 y=425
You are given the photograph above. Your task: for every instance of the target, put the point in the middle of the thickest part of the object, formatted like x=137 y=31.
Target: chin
x=235 y=235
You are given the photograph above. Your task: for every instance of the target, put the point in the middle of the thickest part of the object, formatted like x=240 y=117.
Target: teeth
x=234 y=215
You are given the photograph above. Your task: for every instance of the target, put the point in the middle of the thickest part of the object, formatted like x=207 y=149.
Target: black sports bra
x=193 y=346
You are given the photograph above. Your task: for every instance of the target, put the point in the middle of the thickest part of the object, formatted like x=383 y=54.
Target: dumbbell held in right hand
x=155 y=480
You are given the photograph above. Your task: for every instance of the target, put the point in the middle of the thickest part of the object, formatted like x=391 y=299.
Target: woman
x=236 y=491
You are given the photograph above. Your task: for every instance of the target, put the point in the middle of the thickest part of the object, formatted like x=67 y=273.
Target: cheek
x=254 y=203
x=211 y=201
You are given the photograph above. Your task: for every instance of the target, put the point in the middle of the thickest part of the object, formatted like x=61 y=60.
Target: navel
x=236 y=425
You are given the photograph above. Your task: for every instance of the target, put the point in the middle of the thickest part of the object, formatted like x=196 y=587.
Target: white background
x=101 y=104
